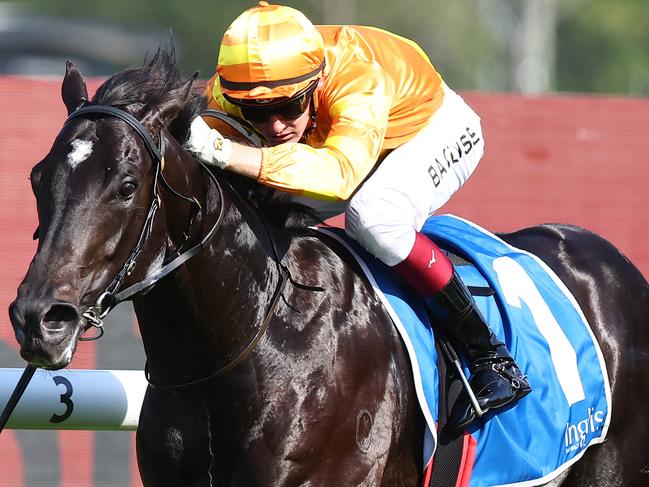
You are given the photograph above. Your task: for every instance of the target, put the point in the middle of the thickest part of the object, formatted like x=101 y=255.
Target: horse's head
x=94 y=193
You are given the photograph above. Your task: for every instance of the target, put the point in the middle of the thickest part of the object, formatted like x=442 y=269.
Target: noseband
x=110 y=298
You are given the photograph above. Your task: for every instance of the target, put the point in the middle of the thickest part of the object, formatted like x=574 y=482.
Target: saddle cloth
x=532 y=311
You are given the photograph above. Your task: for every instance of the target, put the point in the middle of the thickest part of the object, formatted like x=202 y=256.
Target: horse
x=269 y=357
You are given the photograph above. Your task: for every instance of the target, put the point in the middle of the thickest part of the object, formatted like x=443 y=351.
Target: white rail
x=74 y=399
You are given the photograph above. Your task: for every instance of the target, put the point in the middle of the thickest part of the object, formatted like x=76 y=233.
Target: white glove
x=208 y=144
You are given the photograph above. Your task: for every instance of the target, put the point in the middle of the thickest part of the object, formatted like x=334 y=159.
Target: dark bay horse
x=271 y=360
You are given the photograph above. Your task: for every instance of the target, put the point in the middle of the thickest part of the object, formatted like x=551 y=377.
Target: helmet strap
x=312 y=120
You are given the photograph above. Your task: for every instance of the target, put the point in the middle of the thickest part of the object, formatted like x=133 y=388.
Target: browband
x=128 y=118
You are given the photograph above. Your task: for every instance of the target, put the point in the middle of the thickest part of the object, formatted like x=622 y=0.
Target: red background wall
x=571 y=159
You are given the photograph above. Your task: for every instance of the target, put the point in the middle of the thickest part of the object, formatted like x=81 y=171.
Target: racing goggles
x=260 y=111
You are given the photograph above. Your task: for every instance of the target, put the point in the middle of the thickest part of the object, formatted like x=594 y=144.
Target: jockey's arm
x=213 y=148
x=359 y=115
x=245 y=160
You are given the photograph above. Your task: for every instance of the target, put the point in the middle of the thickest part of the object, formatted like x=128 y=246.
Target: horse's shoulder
x=316 y=250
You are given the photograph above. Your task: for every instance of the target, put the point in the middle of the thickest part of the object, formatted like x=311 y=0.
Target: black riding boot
x=495 y=378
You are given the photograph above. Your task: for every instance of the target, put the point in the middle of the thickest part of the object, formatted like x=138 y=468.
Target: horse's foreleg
x=173 y=444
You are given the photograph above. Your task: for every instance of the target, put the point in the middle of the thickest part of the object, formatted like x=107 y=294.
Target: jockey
x=359 y=115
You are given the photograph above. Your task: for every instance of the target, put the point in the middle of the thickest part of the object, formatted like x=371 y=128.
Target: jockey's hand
x=208 y=144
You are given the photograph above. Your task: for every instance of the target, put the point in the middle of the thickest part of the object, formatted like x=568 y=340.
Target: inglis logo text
x=576 y=434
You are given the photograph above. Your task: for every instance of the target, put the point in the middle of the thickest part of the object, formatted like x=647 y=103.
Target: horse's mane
x=275 y=206
x=134 y=88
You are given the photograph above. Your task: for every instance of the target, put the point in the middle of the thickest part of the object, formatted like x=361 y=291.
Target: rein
x=284 y=279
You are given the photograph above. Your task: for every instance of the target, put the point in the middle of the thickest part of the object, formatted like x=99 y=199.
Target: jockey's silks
x=379 y=90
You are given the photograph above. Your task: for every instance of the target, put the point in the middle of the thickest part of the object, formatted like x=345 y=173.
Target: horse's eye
x=127 y=189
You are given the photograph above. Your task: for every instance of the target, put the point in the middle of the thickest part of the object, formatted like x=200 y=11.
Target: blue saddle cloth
x=532 y=311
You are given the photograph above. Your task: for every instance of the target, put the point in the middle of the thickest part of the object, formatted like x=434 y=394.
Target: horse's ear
x=73 y=89
x=164 y=108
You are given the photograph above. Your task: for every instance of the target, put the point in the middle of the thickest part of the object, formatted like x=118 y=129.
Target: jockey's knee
x=382 y=226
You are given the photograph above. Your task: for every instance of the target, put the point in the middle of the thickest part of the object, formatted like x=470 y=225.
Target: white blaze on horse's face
x=81 y=149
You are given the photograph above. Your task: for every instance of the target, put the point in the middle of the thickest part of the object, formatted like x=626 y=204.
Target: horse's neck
x=201 y=317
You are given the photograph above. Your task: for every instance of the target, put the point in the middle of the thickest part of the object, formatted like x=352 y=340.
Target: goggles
x=260 y=111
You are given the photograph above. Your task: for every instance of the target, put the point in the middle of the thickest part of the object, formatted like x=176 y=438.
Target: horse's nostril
x=61 y=312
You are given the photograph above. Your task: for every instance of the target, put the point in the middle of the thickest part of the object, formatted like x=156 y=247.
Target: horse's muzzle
x=47 y=332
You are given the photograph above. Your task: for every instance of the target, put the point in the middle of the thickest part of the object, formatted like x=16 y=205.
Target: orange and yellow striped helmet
x=269 y=51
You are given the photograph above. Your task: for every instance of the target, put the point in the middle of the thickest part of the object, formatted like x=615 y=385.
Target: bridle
x=112 y=296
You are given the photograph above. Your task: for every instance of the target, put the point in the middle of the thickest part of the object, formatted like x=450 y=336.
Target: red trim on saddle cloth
x=469 y=445
x=427 y=269
x=468 y=458
x=427 y=474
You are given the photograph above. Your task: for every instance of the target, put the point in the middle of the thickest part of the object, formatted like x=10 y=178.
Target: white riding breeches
x=415 y=180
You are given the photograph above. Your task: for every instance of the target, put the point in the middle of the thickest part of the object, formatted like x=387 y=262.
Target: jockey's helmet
x=269 y=52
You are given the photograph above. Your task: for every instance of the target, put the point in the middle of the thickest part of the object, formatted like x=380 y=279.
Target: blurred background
x=532 y=46
x=561 y=85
